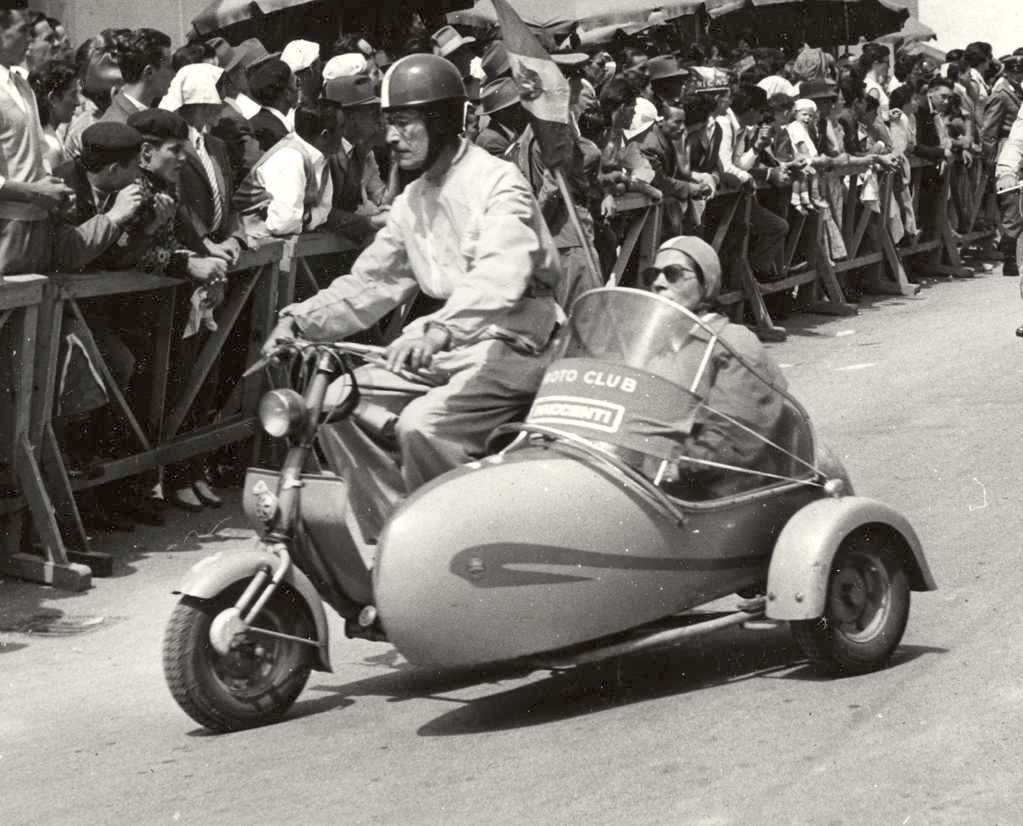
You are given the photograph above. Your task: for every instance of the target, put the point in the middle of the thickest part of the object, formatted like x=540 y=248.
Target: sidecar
x=608 y=518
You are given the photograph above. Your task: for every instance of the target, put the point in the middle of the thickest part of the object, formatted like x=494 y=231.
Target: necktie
x=10 y=83
x=211 y=175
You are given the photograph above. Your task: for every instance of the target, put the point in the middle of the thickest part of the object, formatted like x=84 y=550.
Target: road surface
x=920 y=396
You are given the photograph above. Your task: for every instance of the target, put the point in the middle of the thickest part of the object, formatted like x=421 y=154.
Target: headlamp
x=281 y=412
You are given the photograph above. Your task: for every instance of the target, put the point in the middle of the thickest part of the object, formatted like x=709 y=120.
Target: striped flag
x=542 y=87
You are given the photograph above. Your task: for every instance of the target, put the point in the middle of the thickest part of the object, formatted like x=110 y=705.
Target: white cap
x=196 y=83
x=345 y=65
x=643 y=118
x=300 y=54
x=804 y=105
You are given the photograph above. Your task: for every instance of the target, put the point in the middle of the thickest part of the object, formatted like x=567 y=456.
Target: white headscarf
x=196 y=83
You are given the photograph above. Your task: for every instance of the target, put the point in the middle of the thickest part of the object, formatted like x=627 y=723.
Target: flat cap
x=110 y=136
x=159 y=125
x=352 y=91
x=301 y=54
x=345 y=65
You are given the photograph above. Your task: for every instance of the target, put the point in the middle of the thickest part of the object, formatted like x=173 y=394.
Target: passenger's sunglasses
x=673 y=272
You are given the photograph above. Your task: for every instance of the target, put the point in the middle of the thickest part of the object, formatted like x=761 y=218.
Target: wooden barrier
x=158 y=432
x=20 y=299
x=642 y=234
x=938 y=240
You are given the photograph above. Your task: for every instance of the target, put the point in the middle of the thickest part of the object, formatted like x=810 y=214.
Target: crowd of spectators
x=128 y=154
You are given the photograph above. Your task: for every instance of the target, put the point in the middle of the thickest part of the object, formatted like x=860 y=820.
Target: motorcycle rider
x=466 y=232
x=687 y=271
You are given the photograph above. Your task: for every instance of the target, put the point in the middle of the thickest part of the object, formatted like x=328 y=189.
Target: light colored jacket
x=1010 y=159
x=473 y=238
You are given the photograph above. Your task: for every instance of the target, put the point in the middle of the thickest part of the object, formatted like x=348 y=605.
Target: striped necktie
x=211 y=175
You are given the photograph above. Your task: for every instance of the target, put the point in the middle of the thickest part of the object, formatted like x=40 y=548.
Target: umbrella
x=222 y=13
x=547 y=15
x=816 y=22
x=913 y=31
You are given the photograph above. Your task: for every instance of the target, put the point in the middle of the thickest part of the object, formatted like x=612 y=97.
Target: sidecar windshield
x=636 y=329
x=664 y=389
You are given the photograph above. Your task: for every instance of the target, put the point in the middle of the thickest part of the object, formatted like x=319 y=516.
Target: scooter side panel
x=540 y=551
x=324 y=512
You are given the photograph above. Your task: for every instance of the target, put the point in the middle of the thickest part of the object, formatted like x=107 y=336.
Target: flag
x=543 y=89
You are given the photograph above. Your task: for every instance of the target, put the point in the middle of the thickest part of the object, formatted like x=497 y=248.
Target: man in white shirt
x=27 y=192
x=289 y=190
x=741 y=144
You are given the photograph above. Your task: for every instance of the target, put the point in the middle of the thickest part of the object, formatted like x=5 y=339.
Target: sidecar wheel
x=257 y=682
x=865 y=614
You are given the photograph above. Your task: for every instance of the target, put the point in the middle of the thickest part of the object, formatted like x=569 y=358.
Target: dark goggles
x=673 y=272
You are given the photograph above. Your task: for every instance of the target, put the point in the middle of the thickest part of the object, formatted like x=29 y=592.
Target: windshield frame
x=714 y=338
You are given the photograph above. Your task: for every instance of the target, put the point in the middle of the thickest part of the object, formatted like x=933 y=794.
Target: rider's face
x=676 y=278
x=408 y=139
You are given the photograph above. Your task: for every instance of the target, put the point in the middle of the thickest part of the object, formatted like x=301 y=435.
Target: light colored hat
x=804 y=105
x=349 y=92
x=446 y=40
x=703 y=257
x=300 y=54
x=196 y=83
x=643 y=118
x=497 y=95
x=345 y=65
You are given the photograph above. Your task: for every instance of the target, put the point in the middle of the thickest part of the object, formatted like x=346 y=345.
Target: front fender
x=797 y=580
x=214 y=574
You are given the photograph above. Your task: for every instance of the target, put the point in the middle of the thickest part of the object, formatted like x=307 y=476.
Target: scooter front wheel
x=257 y=681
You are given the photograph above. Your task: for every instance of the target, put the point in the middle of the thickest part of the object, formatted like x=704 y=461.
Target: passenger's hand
x=416 y=353
x=205 y=269
x=126 y=205
x=285 y=330
x=378 y=220
x=49 y=193
x=229 y=250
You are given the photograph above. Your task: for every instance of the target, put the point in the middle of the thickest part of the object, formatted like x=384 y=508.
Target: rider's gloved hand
x=417 y=352
x=285 y=329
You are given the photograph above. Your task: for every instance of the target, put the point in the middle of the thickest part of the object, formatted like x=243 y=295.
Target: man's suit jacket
x=267 y=128
x=928 y=139
x=120 y=109
x=93 y=242
x=196 y=194
x=1000 y=112
x=235 y=131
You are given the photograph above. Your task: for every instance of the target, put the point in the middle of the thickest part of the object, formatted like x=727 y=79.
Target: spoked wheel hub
x=859 y=596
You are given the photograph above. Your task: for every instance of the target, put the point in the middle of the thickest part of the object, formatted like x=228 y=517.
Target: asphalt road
x=920 y=396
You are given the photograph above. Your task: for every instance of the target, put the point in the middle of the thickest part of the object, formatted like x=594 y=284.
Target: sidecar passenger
x=739 y=385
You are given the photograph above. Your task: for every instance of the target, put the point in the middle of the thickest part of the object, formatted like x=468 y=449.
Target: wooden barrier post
x=20 y=299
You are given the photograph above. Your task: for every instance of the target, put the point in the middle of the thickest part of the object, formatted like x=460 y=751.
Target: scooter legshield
x=535 y=552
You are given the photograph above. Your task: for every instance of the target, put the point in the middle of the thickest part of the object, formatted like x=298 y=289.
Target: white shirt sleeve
x=283 y=176
x=726 y=152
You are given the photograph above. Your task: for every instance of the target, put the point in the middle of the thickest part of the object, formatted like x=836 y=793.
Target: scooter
x=588 y=536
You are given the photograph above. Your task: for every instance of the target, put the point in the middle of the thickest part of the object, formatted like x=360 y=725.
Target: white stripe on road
x=863 y=366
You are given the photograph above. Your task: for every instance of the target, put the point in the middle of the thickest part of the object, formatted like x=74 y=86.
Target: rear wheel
x=865 y=613
x=257 y=681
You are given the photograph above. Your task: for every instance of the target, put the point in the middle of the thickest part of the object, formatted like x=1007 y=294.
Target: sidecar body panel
x=797 y=584
x=536 y=551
